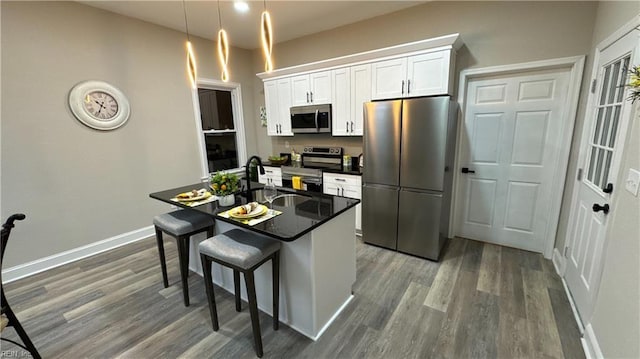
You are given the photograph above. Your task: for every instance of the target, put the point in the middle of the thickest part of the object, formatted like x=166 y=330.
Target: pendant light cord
x=186 y=23
x=219 y=17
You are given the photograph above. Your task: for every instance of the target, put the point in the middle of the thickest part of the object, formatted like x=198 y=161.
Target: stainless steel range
x=309 y=169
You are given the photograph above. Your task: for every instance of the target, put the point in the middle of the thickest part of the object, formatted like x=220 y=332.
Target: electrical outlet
x=632 y=182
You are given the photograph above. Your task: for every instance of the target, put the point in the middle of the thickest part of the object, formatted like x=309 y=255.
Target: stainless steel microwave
x=311 y=119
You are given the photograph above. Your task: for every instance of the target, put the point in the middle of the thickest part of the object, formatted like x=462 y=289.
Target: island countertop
x=301 y=213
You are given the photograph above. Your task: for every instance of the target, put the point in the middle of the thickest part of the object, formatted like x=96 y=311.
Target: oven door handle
x=317 y=128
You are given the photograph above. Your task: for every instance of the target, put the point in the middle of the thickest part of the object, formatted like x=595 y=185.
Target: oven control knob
x=331 y=150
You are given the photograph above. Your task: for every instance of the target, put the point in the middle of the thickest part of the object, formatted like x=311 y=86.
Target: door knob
x=467 y=170
x=608 y=188
x=597 y=208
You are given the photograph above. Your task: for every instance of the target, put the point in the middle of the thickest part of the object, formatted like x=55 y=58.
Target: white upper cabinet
x=418 y=75
x=388 y=78
x=277 y=98
x=341 y=102
x=310 y=89
x=428 y=74
x=360 y=93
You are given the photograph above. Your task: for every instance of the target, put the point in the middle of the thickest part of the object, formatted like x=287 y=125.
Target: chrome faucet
x=247 y=176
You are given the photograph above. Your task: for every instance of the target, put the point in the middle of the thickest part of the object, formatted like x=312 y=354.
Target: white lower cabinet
x=271 y=174
x=344 y=186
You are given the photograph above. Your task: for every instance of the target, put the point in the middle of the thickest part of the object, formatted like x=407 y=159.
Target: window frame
x=238 y=121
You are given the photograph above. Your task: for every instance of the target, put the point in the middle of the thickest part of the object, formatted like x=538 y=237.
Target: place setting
x=253 y=213
x=194 y=197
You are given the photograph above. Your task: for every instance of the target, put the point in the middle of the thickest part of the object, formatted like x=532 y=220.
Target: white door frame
x=559 y=258
x=575 y=65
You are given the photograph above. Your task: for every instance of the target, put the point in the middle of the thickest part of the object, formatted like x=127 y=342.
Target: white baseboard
x=590 y=344
x=40 y=265
x=559 y=262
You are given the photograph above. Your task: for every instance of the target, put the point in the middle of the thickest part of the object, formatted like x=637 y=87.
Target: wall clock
x=99 y=105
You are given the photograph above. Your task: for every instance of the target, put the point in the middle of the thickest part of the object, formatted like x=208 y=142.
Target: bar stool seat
x=181 y=224
x=243 y=252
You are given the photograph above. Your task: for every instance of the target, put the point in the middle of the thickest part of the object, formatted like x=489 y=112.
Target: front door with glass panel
x=605 y=129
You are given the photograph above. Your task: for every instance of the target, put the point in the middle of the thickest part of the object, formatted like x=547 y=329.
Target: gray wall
x=77 y=185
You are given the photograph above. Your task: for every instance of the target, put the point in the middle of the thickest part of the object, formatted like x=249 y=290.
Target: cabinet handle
x=403 y=87
x=340 y=180
x=408 y=86
x=307 y=97
x=347 y=126
x=342 y=192
x=351 y=126
x=311 y=96
x=337 y=191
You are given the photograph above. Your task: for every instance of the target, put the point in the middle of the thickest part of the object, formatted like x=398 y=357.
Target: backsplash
x=351 y=145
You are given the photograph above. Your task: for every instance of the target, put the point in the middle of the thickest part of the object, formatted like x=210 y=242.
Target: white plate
x=258 y=211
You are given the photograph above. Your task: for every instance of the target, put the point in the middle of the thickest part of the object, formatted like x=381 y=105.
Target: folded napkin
x=252 y=221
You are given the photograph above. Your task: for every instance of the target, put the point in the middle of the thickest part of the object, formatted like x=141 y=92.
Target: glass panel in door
x=605 y=128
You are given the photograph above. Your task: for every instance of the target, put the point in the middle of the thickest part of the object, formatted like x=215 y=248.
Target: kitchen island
x=318 y=262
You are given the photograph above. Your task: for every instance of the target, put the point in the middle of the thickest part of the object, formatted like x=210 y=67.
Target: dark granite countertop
x=300 y=213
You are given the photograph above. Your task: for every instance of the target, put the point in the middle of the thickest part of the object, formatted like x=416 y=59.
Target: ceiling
x=291 y=19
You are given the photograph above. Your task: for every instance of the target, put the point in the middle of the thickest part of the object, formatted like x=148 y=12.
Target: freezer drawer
x=380 y=215
x=419 y=224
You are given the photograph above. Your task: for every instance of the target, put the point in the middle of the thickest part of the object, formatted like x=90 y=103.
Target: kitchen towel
x=296 y=181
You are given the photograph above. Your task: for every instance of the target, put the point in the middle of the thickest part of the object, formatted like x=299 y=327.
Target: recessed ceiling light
x=241 y=6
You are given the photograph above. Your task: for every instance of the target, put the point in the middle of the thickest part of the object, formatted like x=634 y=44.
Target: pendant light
x=267 y=38
x=192 y=70
x=223 y=48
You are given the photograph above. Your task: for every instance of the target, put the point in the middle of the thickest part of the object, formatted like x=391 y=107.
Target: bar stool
x=11 y=320
x=243 y=252
x=181 y=224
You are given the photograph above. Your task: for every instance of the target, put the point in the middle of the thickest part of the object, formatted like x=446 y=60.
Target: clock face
x=101 y=105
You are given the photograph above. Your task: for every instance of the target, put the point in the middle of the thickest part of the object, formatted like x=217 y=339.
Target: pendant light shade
x=267 y=40
x=192 y=68
x=223 y=48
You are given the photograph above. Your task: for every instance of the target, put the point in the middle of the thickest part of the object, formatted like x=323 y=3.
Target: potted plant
x=224 y=185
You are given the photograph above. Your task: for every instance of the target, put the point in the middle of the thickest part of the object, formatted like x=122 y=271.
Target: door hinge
x=566 y=249
x=593 y=85
x=579 y=178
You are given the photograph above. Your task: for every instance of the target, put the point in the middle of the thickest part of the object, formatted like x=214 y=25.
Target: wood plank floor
x=479 y=301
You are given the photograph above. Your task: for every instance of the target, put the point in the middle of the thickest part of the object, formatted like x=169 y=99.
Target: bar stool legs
x=182 y=243
x=251 y=294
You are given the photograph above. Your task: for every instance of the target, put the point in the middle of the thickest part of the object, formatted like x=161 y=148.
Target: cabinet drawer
x=344 y=180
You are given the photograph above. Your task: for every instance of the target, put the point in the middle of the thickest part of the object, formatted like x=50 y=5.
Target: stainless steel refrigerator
x=409 y=150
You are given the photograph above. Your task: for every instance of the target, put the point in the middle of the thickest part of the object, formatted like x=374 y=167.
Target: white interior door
x=510 y=143
x=604 y=130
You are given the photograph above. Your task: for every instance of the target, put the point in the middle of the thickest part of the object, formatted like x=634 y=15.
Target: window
x=219 y=120
x=608 y=111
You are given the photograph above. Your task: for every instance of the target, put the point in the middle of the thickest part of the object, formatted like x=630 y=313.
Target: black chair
x=12 y=320
x=243 y=252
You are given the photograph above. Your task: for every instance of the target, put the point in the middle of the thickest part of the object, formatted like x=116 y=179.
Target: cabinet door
x=272 y=104
x=388 y=79
x=300 y=90
x=320 y=92
x=360 y=93
x=340 y=102
x=284 y=100
x=331 y=188
x=428 y=74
